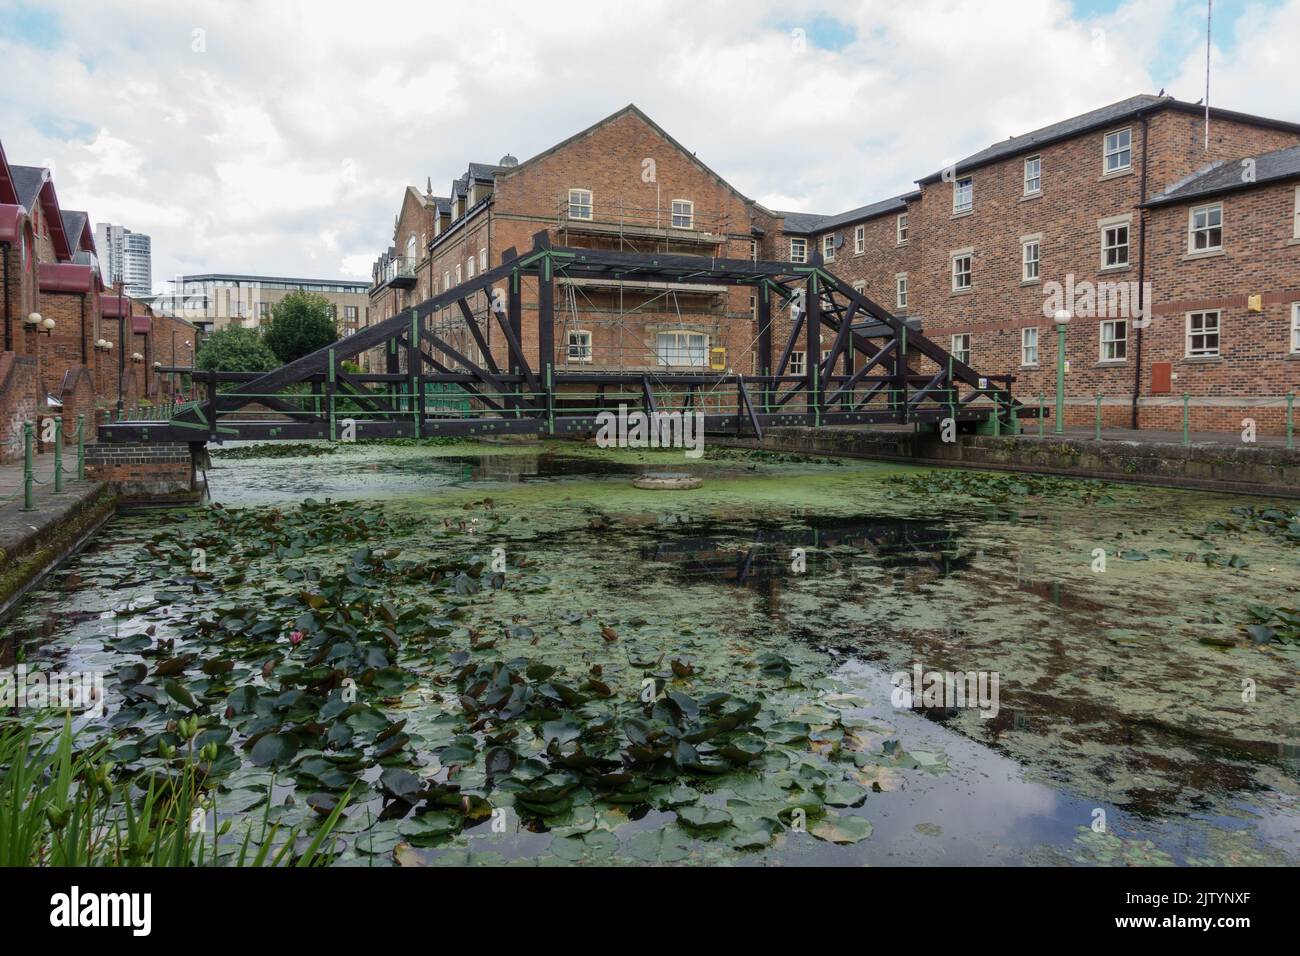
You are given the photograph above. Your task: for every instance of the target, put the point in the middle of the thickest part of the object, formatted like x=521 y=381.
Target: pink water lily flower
x=295 y=637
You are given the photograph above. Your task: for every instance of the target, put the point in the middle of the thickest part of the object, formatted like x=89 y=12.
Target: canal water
x=507 y=653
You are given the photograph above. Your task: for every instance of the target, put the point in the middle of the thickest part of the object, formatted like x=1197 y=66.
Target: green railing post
x=1042 y=415
x=1097 y=431
x=29 y=479
x=58 y=454
x=997 y=415
x=81 y=447
x=1290 y=420
x=550 y=401
x=1187 y=424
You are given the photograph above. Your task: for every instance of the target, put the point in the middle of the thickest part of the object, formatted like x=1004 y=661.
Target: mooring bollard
x=1187 y=433
x=29 y=479
x=1097 y=430
x=81 y=447
x=58 y=454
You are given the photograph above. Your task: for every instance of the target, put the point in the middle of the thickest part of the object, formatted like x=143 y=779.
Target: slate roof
x=1111 y=115
x=1229 y=176
x=28 y=181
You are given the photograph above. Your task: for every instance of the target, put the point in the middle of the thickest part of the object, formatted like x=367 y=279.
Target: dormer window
x=580 y=204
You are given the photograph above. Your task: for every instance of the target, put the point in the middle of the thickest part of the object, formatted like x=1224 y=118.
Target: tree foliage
x=235 y=349
x=301 y=323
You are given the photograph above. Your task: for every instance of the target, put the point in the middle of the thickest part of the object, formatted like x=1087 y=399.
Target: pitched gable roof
x=8 y=192
x=76 y=225
x=1096 y=119
x=1223 y=177
x=630 y=110
x=34 y=184
x=799 y=223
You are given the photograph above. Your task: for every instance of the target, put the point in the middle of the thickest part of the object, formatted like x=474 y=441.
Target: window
x=1205 y=228
x=1029 y=253
x=900 y=290
x=1033 y=175
x=263 y=310
x=446 y=281
x=963 y=195
x=1118 y=152
x=579 y=346
x=1114 y=246
x=860 y=240
x=482 y=260
x=469 y=267
x=1029 y=346
x=753 y=307
x=1295 y=328
x=1203 y=334
x=828 y=247
x=350 y=314
x=458 y=274
x=860 y=285
x=753 y=249
x=580 y=204
x=961 y=347
x=683 y=348
x=1114 y=341
x=796 y=364
x=798 y=250
x=961 y=271
x=902 y=228
x=683 y=214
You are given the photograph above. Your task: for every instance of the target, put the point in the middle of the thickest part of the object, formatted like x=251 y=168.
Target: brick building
x=1101 y=215
x=71 y=347
x=623 y=184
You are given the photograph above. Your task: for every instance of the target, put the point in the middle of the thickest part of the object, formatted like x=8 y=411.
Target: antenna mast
x=1209 y=23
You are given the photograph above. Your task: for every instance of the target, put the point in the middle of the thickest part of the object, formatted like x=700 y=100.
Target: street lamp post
x=1062 y=319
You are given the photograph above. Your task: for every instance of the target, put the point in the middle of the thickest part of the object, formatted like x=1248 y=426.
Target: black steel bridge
x=877 y=369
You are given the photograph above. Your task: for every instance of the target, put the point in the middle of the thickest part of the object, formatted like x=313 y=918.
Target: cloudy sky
x=277 y=137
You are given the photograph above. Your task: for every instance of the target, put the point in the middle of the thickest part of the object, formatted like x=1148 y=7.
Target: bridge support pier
x=147 y=472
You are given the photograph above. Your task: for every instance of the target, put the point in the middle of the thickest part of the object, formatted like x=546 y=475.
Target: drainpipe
x=83 y=328
x=121 y=351
x=9 y=333
x=1142 y=272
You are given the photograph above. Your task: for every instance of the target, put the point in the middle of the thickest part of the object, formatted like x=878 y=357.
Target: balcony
x=399 y=272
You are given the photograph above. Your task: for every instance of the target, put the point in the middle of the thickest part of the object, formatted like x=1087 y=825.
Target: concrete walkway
x=1143 y=436
x=11 y=479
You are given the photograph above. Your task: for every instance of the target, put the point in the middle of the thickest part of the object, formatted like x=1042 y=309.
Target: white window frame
x=577 y=202
x=1031 y=267
x=482 y=259
x=859 y=240
x=1116 y=151
x=459 y=279
x=753 y=249
x=583 y=346
x=1110 y=345
x=901 y=229
x=1036 y=177
x=446 y=281
x=796 y=364
x=900 y=290
x=1204 y=351
x=1295 y=328
x=679 y=350
x=969 y=271
x=1193 y=230
x=1026 y=346
x=1107 y=246
x=860 y=285
x=958 y=191
x=802 y=245
x=962 y=344
x=469 y=268
x=828 y=247
x=686 y=215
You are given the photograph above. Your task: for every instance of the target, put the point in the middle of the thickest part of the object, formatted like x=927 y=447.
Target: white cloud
x=284 y=146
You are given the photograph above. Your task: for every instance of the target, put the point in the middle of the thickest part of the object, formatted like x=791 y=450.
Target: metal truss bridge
x=877 y=370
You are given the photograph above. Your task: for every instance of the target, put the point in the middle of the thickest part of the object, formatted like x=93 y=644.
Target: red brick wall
x=18 y=402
